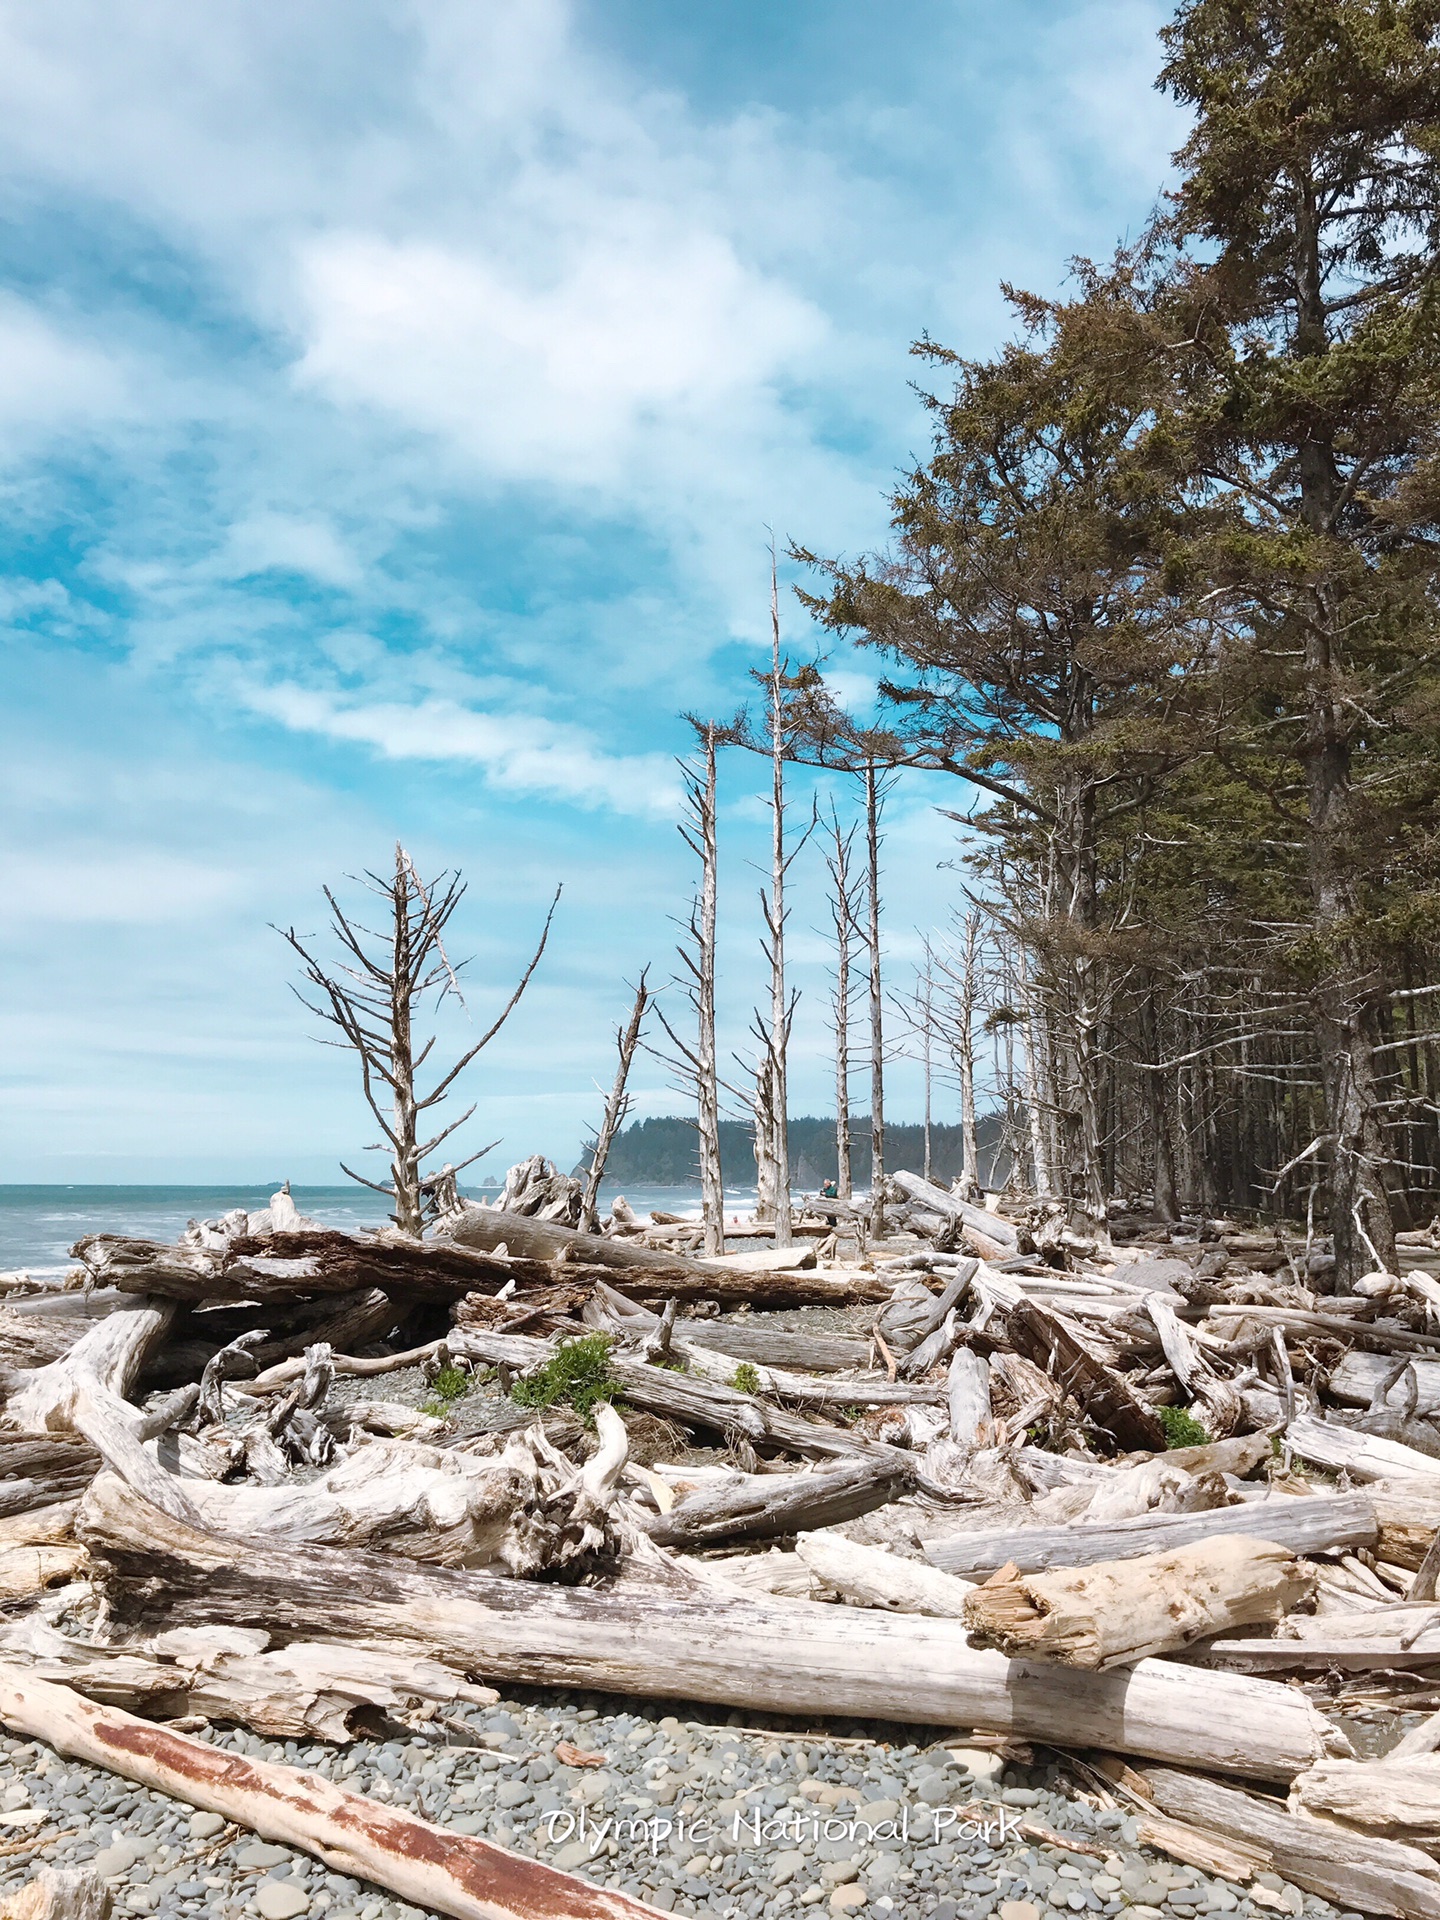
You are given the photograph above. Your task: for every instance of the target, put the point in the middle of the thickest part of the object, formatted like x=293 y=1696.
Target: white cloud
x=289 y=543
x=51 y=380
x=520 y=753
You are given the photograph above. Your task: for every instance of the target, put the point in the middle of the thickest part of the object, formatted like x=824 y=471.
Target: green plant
x=578 y=1373
x=449 y=1385
x=746 y=1380
x=1182 y=1429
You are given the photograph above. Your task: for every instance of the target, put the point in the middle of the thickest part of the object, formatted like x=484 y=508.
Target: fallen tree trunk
x=1112 y=1614
x=1055 y=1345
x=998 y=1232
x=1306 y=1524
x=642 y=1638
x=1355 y=1871
x=1400 y=1801
x=646 y=1271
x=768 y=1506
x=427 y=1865
x=1364 y=1456
x=1409 y=1518
x=873 y=1578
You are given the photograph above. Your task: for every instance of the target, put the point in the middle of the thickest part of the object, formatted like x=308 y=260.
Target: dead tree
x=616 y=1107
x=845 y=918
x=771 y=1085
x=960 y=969
x=875 y=794
x=694 y=1063
x=372 y=995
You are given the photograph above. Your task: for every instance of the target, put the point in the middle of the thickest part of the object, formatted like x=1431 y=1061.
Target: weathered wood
x=1401 y=1802
x=870 y=1577
x=1368 y=1873
x=999 y=1232
x=59 y=1893
x=643 y=1638
x=1111 y=1614
x=652 y=1274
x=768 y=1506
x=1314 y=1524
x=426 y=1865
x=1054 y=1344
x=1409 y=1520
x=1364 y=1456
x=1358 y=1377
x=968 y=1393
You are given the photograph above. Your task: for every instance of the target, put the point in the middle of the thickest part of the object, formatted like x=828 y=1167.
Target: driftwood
x=1409 y=1521
x=767 y=1506
x=426 y=1865
x=644 y=1271
x=59 y=1893
x=1114 y=1613
x=1364 y=1456
x=935 y=1199
x=870 y=1577
x=1400 y=1801
x=1355 y=1871
x=645 y=1639
x=1054 y=1343
x=1316 y=1524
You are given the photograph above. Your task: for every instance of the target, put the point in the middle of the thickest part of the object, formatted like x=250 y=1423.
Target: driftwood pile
x=955 y=1507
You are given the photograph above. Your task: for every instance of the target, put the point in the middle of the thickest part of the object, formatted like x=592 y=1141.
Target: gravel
x=872 y=1822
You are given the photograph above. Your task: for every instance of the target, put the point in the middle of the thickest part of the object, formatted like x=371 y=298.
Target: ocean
x=39 y=1225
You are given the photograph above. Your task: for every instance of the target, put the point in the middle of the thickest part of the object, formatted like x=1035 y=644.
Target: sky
x=397 y=398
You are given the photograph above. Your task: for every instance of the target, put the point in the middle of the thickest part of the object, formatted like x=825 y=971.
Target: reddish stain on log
x=526 y=1889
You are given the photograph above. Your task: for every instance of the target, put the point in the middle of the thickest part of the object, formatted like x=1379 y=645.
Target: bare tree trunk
x=616 y=1108
x=775 y=922
x=927 y=1044
x=405 y=1163
x=970 y=1183
x=873 y=802
x=842 y=909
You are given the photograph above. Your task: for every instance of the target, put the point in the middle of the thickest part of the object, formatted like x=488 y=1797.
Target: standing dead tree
x=876 y=789
x=694 y=1062
x=845 y=917
x=617 y=1107
x=371 y=997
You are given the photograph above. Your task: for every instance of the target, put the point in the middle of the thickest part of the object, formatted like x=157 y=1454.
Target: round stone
x=281 y=1900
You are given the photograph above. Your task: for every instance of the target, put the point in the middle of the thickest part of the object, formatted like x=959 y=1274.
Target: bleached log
x=1056 y=1345
x=59 y=1893
x=1400 y=1802
x=770 y=1505
x=968 y=1387
x=642 y=1637
x=1364 y=1456
x=44 y=1526
x=873 y=1578
x=1305 y=1524
x=426 y=1865
x=1363 y=1872
x=29 y=1570
x=309 y=1690
x=995 y=1229
x=751 y=1338
x=1157 y=1487
x=641 y=1270
x=1409 y=1520
x=1115 y=1613
x=1358 y=1377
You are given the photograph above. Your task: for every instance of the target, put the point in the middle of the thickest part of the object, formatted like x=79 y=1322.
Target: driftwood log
x=770 y=1505
x=427 y=1865
x=1114 y=1613
x=1307 y=1524
x=1400 y=1800
x=641 y=1637
x=873 y=1578
x=1356 y=1871
x=1057 y=1345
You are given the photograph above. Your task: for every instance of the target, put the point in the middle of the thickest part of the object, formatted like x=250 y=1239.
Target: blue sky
x=393 y=400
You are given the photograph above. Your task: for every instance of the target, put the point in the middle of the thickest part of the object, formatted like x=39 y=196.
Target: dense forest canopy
x=662 y=1152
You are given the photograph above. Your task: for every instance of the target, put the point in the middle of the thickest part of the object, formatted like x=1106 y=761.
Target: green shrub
x=449 y=1385
x=746 y=1380
x=1182 y=1429
x=577 y=1373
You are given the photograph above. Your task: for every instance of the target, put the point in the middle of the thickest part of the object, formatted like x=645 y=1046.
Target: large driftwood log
x=309 y=1690
x=644 y=1271
x=1359 y=1376
x=59 y=1893
x=1313 y=1524
x=870 y=1577
x=1115 y=1613
x=767 y=1506
x=1401 y=1801
x=1409 y=1519
x=643 y=1638
x=1364 y=1456
x=1057 y=1346
x=990 y=1226
x=1355 y=1871
x=427 y=1865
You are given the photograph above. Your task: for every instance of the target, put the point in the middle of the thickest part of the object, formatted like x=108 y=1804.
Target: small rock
x=849 y=1898
x=204 y=1826
x=785 y=1866
x=281 y=1900
x=1019 y=1910
x=261 y=1853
